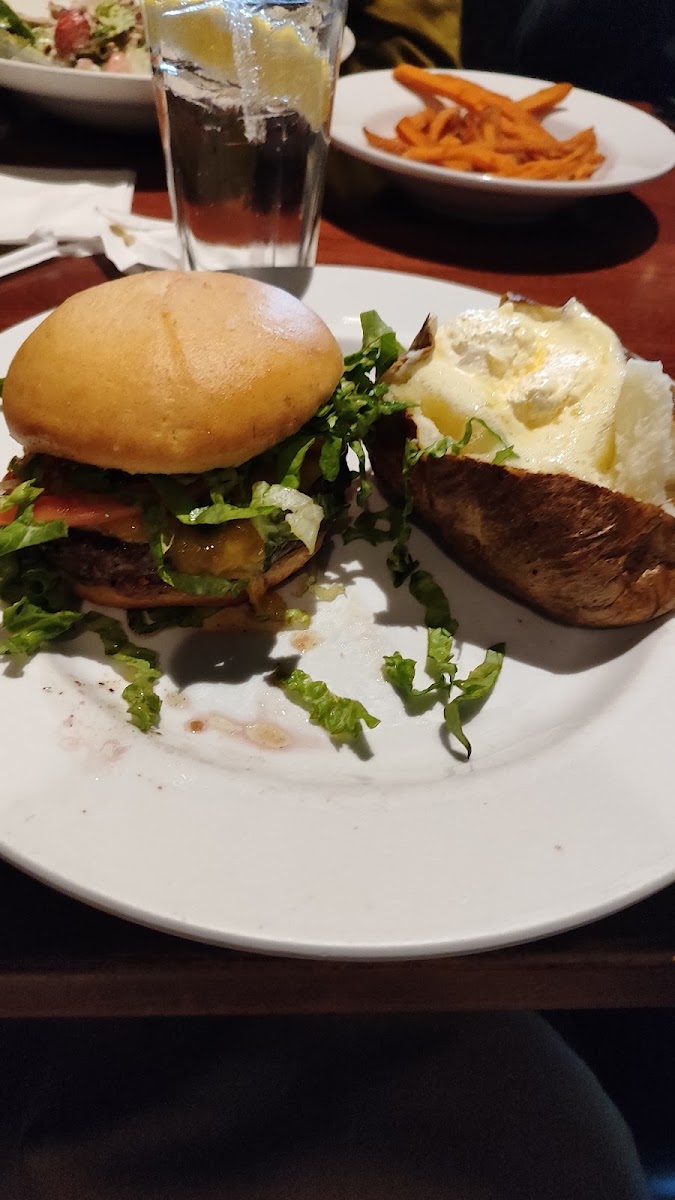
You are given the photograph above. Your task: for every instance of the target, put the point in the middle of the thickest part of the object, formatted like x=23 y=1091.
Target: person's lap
x=468 y=1107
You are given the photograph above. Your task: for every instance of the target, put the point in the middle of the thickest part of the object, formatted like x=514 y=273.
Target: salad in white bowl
x=107 y=36
x=84 y=60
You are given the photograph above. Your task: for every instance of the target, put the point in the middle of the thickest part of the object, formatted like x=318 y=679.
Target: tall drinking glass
x=244 y=94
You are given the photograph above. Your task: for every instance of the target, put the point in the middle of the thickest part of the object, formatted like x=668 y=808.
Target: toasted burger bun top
x=170 y=372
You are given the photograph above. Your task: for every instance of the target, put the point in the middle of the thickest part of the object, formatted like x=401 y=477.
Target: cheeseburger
x=172 y=441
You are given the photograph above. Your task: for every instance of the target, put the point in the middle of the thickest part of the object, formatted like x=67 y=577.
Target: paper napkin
x=48 y=212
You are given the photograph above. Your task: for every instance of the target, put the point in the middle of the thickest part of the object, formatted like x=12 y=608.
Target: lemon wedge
x=284 y=69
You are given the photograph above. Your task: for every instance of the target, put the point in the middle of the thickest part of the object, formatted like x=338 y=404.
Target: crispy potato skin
x=580 y=554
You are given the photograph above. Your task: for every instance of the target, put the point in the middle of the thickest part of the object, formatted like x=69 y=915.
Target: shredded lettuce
x=379 y=346
x=441 y=626
x=274 y=535
x=39 y=611
x=192 y=585
x=327 y=591
x=448 y=446
x=28 y=576
x=136 y=663
x=24 y=530
x=342 y=718
x=29 y=628
x=440 y=665
x=21 y=497
x=303 y=515
x=393 y=524
x=13 y=23
x=292 y=618
x=291 y=457
x=359 y=400
x=372 y=527
x=9 y=577
x=146 y=621
x=475 y=688
x=180 y=503
x=506 y=454
x=330 y=458
x=431 y=596
x=400 y=673
x=111 y=20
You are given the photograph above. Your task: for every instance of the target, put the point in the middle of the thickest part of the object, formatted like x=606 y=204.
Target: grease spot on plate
x=96 y=754
x=268 y=735
x=112 y=751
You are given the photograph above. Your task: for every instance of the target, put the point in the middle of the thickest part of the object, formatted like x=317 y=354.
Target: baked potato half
x=578 y=551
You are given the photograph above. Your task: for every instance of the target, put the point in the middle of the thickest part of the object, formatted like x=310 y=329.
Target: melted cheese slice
x=556 y=385
x=234 y=550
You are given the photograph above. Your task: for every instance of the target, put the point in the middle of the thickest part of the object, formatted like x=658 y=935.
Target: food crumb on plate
x=304 y=640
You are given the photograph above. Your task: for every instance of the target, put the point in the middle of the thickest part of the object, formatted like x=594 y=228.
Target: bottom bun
x=165 y=596
x=110 y=597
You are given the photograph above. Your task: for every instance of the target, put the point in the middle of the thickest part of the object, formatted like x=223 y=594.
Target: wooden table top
x=59 y=958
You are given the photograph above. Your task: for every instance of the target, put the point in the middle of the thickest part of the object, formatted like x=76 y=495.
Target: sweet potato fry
x=409 y=131
x=476 y=157
x=541 y=103
x=573 y=166
x=468 y=95
x=469 y=128
x=530 y=132
x=431 y=154
x=423 y=118
x=450 y=87
x=444 y=121
x=585 y=138
x=390 y=145
x=586 y=169
x=489 y=124
x=428 y=97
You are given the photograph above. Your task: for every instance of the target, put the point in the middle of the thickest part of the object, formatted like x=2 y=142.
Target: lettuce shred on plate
x=41 y=612
x=393 y=524
x=338 y=715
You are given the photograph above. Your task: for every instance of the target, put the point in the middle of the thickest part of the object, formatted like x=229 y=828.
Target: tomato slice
x=81 y=510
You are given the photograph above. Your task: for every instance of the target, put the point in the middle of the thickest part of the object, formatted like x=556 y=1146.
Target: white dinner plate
x=256 y=831
x=108 y=101
x=636 y=146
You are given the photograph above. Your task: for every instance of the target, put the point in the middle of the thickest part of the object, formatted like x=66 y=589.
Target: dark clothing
x=624 y=48
x=464 y=1107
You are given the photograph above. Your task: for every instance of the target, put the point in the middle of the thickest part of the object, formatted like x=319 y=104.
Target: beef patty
x=94 y=559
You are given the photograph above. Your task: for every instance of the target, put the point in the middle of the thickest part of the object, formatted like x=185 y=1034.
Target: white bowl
x=636 y=146
x=109 y=101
